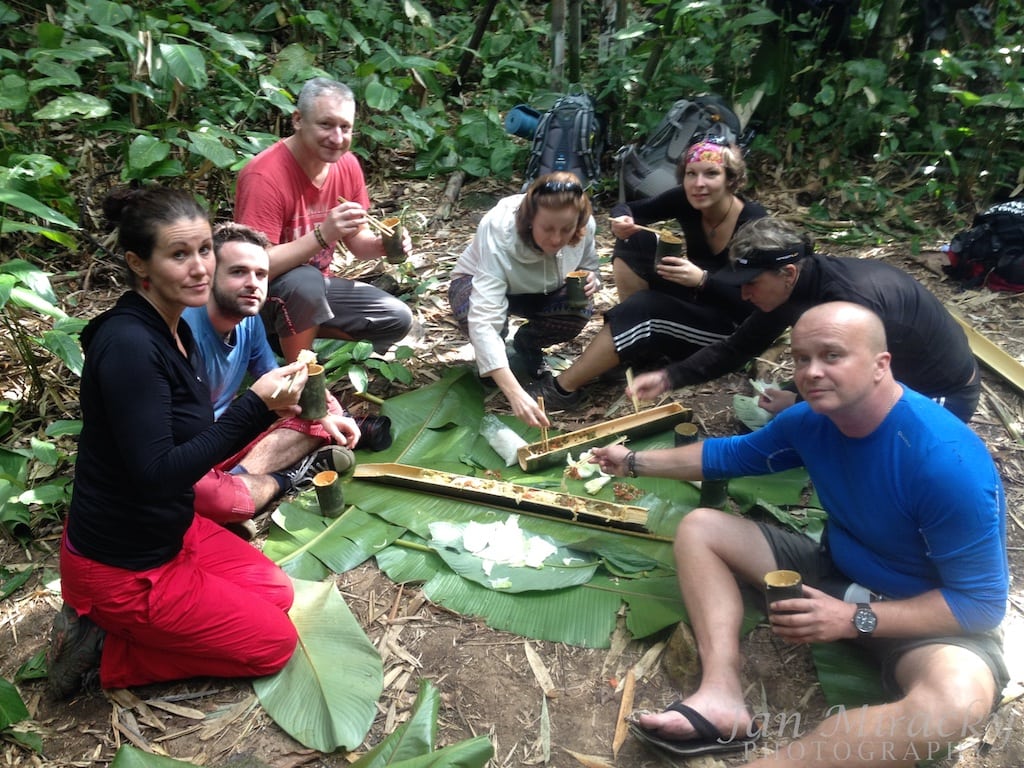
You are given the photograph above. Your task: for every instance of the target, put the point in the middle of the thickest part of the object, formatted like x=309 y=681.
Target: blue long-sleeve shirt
x=916 y=505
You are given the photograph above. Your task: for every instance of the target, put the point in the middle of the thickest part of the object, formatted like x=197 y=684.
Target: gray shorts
x=797 y=552
x=303 y=297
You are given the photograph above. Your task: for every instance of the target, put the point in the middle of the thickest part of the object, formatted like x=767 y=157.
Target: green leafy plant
x=13 y=714
x=354 y=359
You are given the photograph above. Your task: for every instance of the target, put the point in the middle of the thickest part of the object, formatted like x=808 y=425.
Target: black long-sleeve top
x=672 y=204
x=148 y=435
x=930 y=351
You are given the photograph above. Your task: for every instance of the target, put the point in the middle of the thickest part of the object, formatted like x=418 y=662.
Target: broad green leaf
x=31 y=205
x=31 y=300
x=300 y=533
x=12 y=708
x=132 y=757
x=11 y=582
x=74 y=106
x=211 y=148
x=66 y=348
x=415 y=737
x=64 y=427
x=848 y=674
x=182 y=63
x=471 y=753
x=14 y=93
x=381 y=97
x=146 y=150
x=326 y=695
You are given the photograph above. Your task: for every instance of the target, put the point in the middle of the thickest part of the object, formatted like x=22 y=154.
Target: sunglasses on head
x=556 y=187
x=704 y=138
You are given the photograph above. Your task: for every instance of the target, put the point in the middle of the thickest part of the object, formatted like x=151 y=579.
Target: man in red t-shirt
x=307 y=193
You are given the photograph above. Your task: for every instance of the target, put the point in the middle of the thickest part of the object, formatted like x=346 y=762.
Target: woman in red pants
x=152 y=591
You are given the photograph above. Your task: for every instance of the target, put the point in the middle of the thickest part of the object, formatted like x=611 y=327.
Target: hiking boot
x=533 y=358
x=554 y=398
x=299 y=475
x=76 y=645
x=375 y=432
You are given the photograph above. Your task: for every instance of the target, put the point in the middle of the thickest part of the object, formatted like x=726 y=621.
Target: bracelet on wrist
x=631 y=463
x=703 y=280
x=320 y=237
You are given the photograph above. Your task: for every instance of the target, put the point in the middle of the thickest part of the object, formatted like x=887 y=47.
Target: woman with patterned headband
x=676 y=307
x=516 y=265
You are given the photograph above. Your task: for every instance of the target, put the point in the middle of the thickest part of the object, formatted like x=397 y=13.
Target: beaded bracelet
x=631 y=463
x=320 y=237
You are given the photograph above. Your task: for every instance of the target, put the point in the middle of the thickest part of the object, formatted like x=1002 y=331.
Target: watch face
x=865 y=620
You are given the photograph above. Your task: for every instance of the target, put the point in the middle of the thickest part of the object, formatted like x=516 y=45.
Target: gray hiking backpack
x=568 y=138
x=648 y=169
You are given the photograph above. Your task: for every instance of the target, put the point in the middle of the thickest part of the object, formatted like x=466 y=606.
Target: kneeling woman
x=516 y=265
x=152 y=591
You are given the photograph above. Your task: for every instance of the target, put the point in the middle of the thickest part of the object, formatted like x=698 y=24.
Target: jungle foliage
x=882 y=113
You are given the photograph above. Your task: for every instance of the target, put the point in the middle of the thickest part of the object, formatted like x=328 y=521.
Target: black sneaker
x=375 y=432
x=76 y=645
x=554 y=398
x=533 y=358
x=332 y=457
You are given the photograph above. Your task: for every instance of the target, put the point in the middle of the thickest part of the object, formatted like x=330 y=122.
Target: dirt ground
x=487 y=684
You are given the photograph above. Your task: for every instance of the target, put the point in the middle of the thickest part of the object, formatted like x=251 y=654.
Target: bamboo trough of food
x=507 y=495
x=552 y=451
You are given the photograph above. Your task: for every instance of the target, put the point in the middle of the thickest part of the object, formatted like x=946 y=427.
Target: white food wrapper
x=501 y=438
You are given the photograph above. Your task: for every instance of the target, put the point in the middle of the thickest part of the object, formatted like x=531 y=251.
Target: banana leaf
x=411 y=745
x=849 y=675
x=133 y=757
x=309 y=546
x=582 y=615
x=325 y=697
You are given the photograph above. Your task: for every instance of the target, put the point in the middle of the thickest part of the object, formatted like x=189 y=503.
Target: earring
x=145 y=283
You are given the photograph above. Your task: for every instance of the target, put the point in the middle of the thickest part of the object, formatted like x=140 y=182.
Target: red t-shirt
x=275 y=196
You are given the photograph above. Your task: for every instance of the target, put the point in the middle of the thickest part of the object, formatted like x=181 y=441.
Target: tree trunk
x=574 y=33
x=471 y=51
x=558 y=44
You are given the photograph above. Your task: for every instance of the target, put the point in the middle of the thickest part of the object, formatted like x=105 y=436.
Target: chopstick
x=291 y=383
x=543 y=429
x=629 y=384
x=641 y=226
x=380 y=226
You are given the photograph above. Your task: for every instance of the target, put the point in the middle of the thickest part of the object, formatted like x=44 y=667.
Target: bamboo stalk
x=377 y=224
x=629 y=385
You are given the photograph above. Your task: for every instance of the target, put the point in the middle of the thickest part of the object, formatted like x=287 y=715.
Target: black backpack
x=648 y=169
x=568 y=138
x=991 y=252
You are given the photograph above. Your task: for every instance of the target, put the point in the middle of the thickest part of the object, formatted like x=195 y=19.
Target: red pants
x=218 y=609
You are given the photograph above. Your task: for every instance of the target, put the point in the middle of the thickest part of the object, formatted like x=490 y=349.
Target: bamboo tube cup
x=575 y=283
x=668 y=245
x=313 y=398
x=394 y=252
x=781 y=585
x=329 y=494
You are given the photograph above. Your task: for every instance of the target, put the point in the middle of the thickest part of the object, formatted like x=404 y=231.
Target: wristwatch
x=865 y=620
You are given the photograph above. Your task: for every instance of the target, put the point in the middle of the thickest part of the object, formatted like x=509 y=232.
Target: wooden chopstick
x=543 y=429
x=629 y=384
x=291 y=383
x=645 y=229
x=380 y=226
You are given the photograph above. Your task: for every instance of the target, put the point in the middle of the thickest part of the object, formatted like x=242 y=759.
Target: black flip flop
x=711 y=741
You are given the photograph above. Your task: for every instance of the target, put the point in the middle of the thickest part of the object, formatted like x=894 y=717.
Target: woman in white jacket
x=516 y=265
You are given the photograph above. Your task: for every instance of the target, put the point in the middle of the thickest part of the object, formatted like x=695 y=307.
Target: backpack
x=991 y=252
x=650 y=168
x=568 y=138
